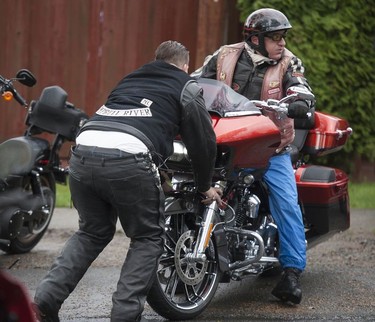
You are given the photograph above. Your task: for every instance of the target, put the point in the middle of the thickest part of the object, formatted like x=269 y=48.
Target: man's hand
x=213 y=194
x=298 y=110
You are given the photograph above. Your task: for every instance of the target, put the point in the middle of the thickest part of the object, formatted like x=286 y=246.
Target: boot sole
x=287 y=297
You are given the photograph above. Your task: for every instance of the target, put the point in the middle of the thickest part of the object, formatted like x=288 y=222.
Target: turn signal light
x=7 y=96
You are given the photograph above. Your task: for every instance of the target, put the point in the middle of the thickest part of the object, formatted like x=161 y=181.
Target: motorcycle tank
x=18 y=155
x=239 y=125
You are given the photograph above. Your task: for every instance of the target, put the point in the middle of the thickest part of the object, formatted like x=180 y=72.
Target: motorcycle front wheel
x=34 y=229
x=183 y=287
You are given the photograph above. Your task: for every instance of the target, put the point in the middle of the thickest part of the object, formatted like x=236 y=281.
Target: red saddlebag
x=323 y=195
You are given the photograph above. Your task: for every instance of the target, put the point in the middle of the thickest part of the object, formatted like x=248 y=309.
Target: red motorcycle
x=208 y=245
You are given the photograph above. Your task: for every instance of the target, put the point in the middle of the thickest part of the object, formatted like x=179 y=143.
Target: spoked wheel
x=34 y=228
x=184 y=286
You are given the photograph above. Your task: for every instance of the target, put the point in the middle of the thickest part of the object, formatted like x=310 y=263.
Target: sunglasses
x=276 y=37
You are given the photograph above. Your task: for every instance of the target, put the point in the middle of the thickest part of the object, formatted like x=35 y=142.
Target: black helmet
x=263 y=21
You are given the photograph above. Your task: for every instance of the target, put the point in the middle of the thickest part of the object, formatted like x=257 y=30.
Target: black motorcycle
x=30 y=165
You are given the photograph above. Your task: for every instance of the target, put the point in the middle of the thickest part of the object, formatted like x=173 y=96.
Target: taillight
x=43 y=162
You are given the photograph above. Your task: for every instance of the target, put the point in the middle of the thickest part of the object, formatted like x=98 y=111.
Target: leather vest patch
x=226 y=62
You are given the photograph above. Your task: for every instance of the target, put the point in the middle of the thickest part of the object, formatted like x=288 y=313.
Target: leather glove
x=298 y=110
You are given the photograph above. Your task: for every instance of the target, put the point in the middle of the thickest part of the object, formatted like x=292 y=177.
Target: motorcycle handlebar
x=272 y=105
x=7 y=85
x=18 y=97
x=283 y=107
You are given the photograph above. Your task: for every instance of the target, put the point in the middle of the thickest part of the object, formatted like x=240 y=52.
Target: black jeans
x=107 y=184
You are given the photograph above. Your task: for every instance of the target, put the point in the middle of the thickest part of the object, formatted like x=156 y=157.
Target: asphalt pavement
x=338 y=284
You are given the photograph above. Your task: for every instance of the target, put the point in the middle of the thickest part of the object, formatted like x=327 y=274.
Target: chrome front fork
x=205 y=231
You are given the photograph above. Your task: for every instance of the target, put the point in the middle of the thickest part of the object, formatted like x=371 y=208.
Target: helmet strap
x=261 y=48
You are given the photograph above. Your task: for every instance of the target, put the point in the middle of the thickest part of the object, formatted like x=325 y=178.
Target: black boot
x=45 y=315
x=288 y=289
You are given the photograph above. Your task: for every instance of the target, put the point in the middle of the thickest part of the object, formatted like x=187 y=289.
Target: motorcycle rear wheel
x=27 y=240
x=183 y=287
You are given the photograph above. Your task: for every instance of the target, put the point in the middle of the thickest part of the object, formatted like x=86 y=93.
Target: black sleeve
x=209 y=68
x=294 y=76
x=198 y=135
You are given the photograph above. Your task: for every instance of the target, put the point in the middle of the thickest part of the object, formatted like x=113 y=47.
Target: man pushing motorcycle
x=113 y=175
x=261 y=68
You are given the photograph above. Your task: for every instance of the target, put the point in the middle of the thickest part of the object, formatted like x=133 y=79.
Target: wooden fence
x=87 y=46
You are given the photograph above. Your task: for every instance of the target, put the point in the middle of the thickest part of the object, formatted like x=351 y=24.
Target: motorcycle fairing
x=239 y=125
x=254 y=139
x=223 y=100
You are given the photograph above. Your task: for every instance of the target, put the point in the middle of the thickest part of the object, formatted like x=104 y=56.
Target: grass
x=362 y=195
x=63 y=196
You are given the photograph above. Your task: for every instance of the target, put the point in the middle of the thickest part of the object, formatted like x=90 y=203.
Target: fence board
x=86 y=46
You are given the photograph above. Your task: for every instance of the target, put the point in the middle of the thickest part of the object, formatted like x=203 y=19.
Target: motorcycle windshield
x=222 y=99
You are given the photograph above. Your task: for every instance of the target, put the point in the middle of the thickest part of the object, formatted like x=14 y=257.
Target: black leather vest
x=148 y=99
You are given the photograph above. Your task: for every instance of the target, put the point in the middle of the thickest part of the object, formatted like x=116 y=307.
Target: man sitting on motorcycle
x=261 y=67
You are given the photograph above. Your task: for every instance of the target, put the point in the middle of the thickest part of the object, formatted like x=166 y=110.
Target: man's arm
x=208 y=69
x=294 y=76
x=198 y=135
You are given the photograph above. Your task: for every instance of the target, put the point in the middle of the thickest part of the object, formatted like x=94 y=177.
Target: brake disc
x=190 y=271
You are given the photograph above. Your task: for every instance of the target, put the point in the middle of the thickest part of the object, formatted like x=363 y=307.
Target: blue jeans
x=283 y=199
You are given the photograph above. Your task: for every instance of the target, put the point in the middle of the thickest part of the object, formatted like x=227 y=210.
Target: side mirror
x=25 y=77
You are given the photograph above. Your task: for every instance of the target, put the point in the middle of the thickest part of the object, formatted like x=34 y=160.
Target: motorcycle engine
x=249 y=208
x=244 y=249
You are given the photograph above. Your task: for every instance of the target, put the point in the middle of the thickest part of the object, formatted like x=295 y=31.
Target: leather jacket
x=161 y=101
x=244 y=70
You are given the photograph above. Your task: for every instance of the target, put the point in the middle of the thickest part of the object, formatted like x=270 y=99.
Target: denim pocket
x=129 y=190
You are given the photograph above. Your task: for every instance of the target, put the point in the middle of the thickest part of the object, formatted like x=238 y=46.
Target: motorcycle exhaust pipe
x=251 y=235
x=20 y=199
